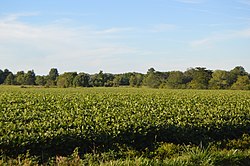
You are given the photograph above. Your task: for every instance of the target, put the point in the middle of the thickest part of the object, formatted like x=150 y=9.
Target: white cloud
x=15 y=16
x=213 y=39
x=25 y=46
x=114 y=30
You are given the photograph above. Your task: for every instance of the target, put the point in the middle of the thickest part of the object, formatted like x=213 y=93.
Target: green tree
x=29 y=78
x=40 y=80
x=136 y=80
x=10 y=79
x=176 y=80
x=1 y=77
x=66 y=80
x=52 y=77
x=117 y=80
x=50 y=83
x=62 y=82
x=53 y=74
x=151 y=70
x=139 y=79
x=97 y=80
x=101 y=79
x=6 y=72
x=235 y=73
x=20 y=78
x=132 y=81
x=152 y=80
x=199 y=78
x=122 y=79
x=219 y=80
x=108 y=79
x=82 y=79
x=242 y=83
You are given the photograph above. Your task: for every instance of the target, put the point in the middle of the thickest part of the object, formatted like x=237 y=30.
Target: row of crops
x=56 y=121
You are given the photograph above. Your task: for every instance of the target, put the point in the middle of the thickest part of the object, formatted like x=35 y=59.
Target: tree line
x=193 y=78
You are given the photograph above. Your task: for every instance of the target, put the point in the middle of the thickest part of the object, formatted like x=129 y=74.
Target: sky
x=118 y=36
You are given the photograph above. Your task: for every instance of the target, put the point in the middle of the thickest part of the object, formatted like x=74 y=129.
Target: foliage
x=20 y=78
x=199 y=78
x=40 y=80
x=242 y=83
x=82 y=80
x=53 y=74
x=176 y=80
x=185 y=155
x=219 y=80
x=66 y=80
x=10 y=79
x=193 y=78
x=136 y=80
x=235 y=73
x=29 y=78
x=55 y=121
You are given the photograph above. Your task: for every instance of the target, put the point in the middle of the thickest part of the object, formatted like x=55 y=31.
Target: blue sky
x=120 y=36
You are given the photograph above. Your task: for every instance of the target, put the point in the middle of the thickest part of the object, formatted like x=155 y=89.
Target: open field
x=122 y=126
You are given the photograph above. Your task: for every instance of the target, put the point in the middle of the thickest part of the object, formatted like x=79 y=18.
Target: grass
x=185 y=155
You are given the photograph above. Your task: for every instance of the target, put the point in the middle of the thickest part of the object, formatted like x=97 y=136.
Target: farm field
x=124 y=126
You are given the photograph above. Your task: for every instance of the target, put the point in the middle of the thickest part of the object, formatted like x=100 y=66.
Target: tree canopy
x=193 y=78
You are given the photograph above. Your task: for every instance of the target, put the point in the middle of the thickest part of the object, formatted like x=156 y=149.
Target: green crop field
x=124 y=126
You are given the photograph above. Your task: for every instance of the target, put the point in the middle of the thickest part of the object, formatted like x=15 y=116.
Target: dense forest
x=193 y=78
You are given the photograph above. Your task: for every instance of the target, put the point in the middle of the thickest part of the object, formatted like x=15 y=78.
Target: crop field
x=124 y=126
